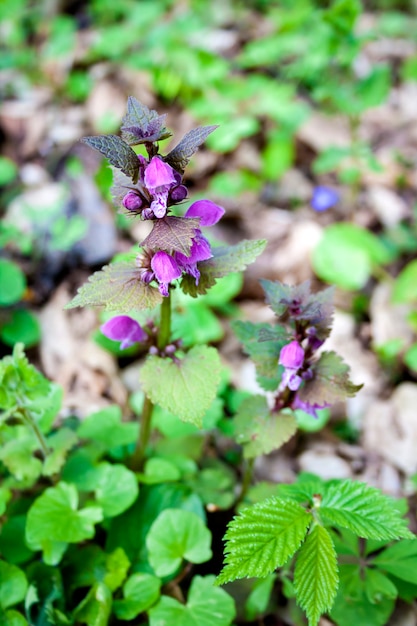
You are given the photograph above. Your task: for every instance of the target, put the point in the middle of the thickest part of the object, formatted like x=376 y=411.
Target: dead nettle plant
x=151 y=535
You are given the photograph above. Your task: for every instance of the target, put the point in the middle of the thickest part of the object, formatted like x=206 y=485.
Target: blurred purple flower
x=311 y=409
x=324 y=198
x=165 y=269
x=125 y=329
x=208 y=212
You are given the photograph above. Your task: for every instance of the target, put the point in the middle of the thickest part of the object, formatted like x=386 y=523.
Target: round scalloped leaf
x=12 y=281
x=140 y=592
x=115 y=479
x=22 y=326
x=176 y=535
x=205 y=607
x=13 y=585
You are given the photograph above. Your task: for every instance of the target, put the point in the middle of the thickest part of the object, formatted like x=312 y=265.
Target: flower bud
x=132 y=202
x=179 y=193
x=291 y=356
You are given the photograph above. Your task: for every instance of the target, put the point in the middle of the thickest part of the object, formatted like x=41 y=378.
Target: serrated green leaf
x=362 y=509
x=262 y=538
x=172 y=234
x=316 y=576
x=400 y=560
x=95 y=609
x=140 y=592
x=176 y=535
x=117 y=287
x=17 y=373
x=259 y=430
x=179 y=157
x=54 y=519
x=13 y=585
x=205 y=607
x=141 y=124
x=117 y=152
x=225 y=260
x=185 y=388
x=330 y=382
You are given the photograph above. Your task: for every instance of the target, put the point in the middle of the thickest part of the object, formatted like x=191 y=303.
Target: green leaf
x=141 y=124
x=205 y=607
x=225 y=260
x=405 y=285
x=315 y=576
x=345 y=255
x=59 y=443
x=13 y=585
x=172 y=234
x=379 y=586
x=17 y=455
x=330 y=382
x=17 y=373
x=115 y=479
x=8 y=171
x=21 y=326
x=5 y=495
x=140 y=592
x=400 y=560
x=95 y=609
x=159 y=471
x=185 y=388
x=258 y=599
x=259 y=430
x=262 y=538
x=54 y=517
x=362 y=509
x=117 y=152
x=176 y=535
x=117 y=287
x=106 y=428
x=12 y=281
x=117 y=565
x=179 y=157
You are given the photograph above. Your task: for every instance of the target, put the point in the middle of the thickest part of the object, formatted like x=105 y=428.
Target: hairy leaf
x=225 y=260
x=364 y=510
x=141 y=124
x=259 y=430
x=117 y=152
x=205 y=607
x=172 y=234
x=186 y=387
x=262 y=538
x=178 y=157
x=117 y=287
x=330 y=382
x=316 y=576
x=176 y=535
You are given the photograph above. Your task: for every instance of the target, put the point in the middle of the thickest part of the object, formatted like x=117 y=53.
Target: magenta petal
x=158 y=174
x=292 y=356
x=200 y=251
x=125 y=329
x=165 y=267
x=311 y=409
x=208 y=212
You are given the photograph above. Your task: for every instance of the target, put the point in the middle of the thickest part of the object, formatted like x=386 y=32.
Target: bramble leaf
x=117 y=152
x=205 y=607
x=262 y=538
x=225 y=260
x=316 y=576
x=186 y=387
x=117 y=287
x=140 y=592
x=172 y=234
x=330 y=382
x=362 y=509
x=176 y=535
x=259 y=430
x=141 y=124
x=179 y=157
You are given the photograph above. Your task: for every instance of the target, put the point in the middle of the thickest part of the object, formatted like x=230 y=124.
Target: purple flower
x=132 y=201
x=125 y=329
x=208 y=212
x=324 y=198
x=165 y=269
x=292 y=358
x=311 y=409
x=159 y=178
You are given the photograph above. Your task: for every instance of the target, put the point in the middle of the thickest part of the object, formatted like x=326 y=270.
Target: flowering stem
x=165 y=323
x=138 y=457
x=26 y=416
x=246 y=481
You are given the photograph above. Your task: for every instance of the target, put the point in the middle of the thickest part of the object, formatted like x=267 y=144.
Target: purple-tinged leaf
x=141 y=124
x=118 y=153
x=117 y=287
x=172 y=234
x=330 y=382
x=178 y=157
x=259 y=430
